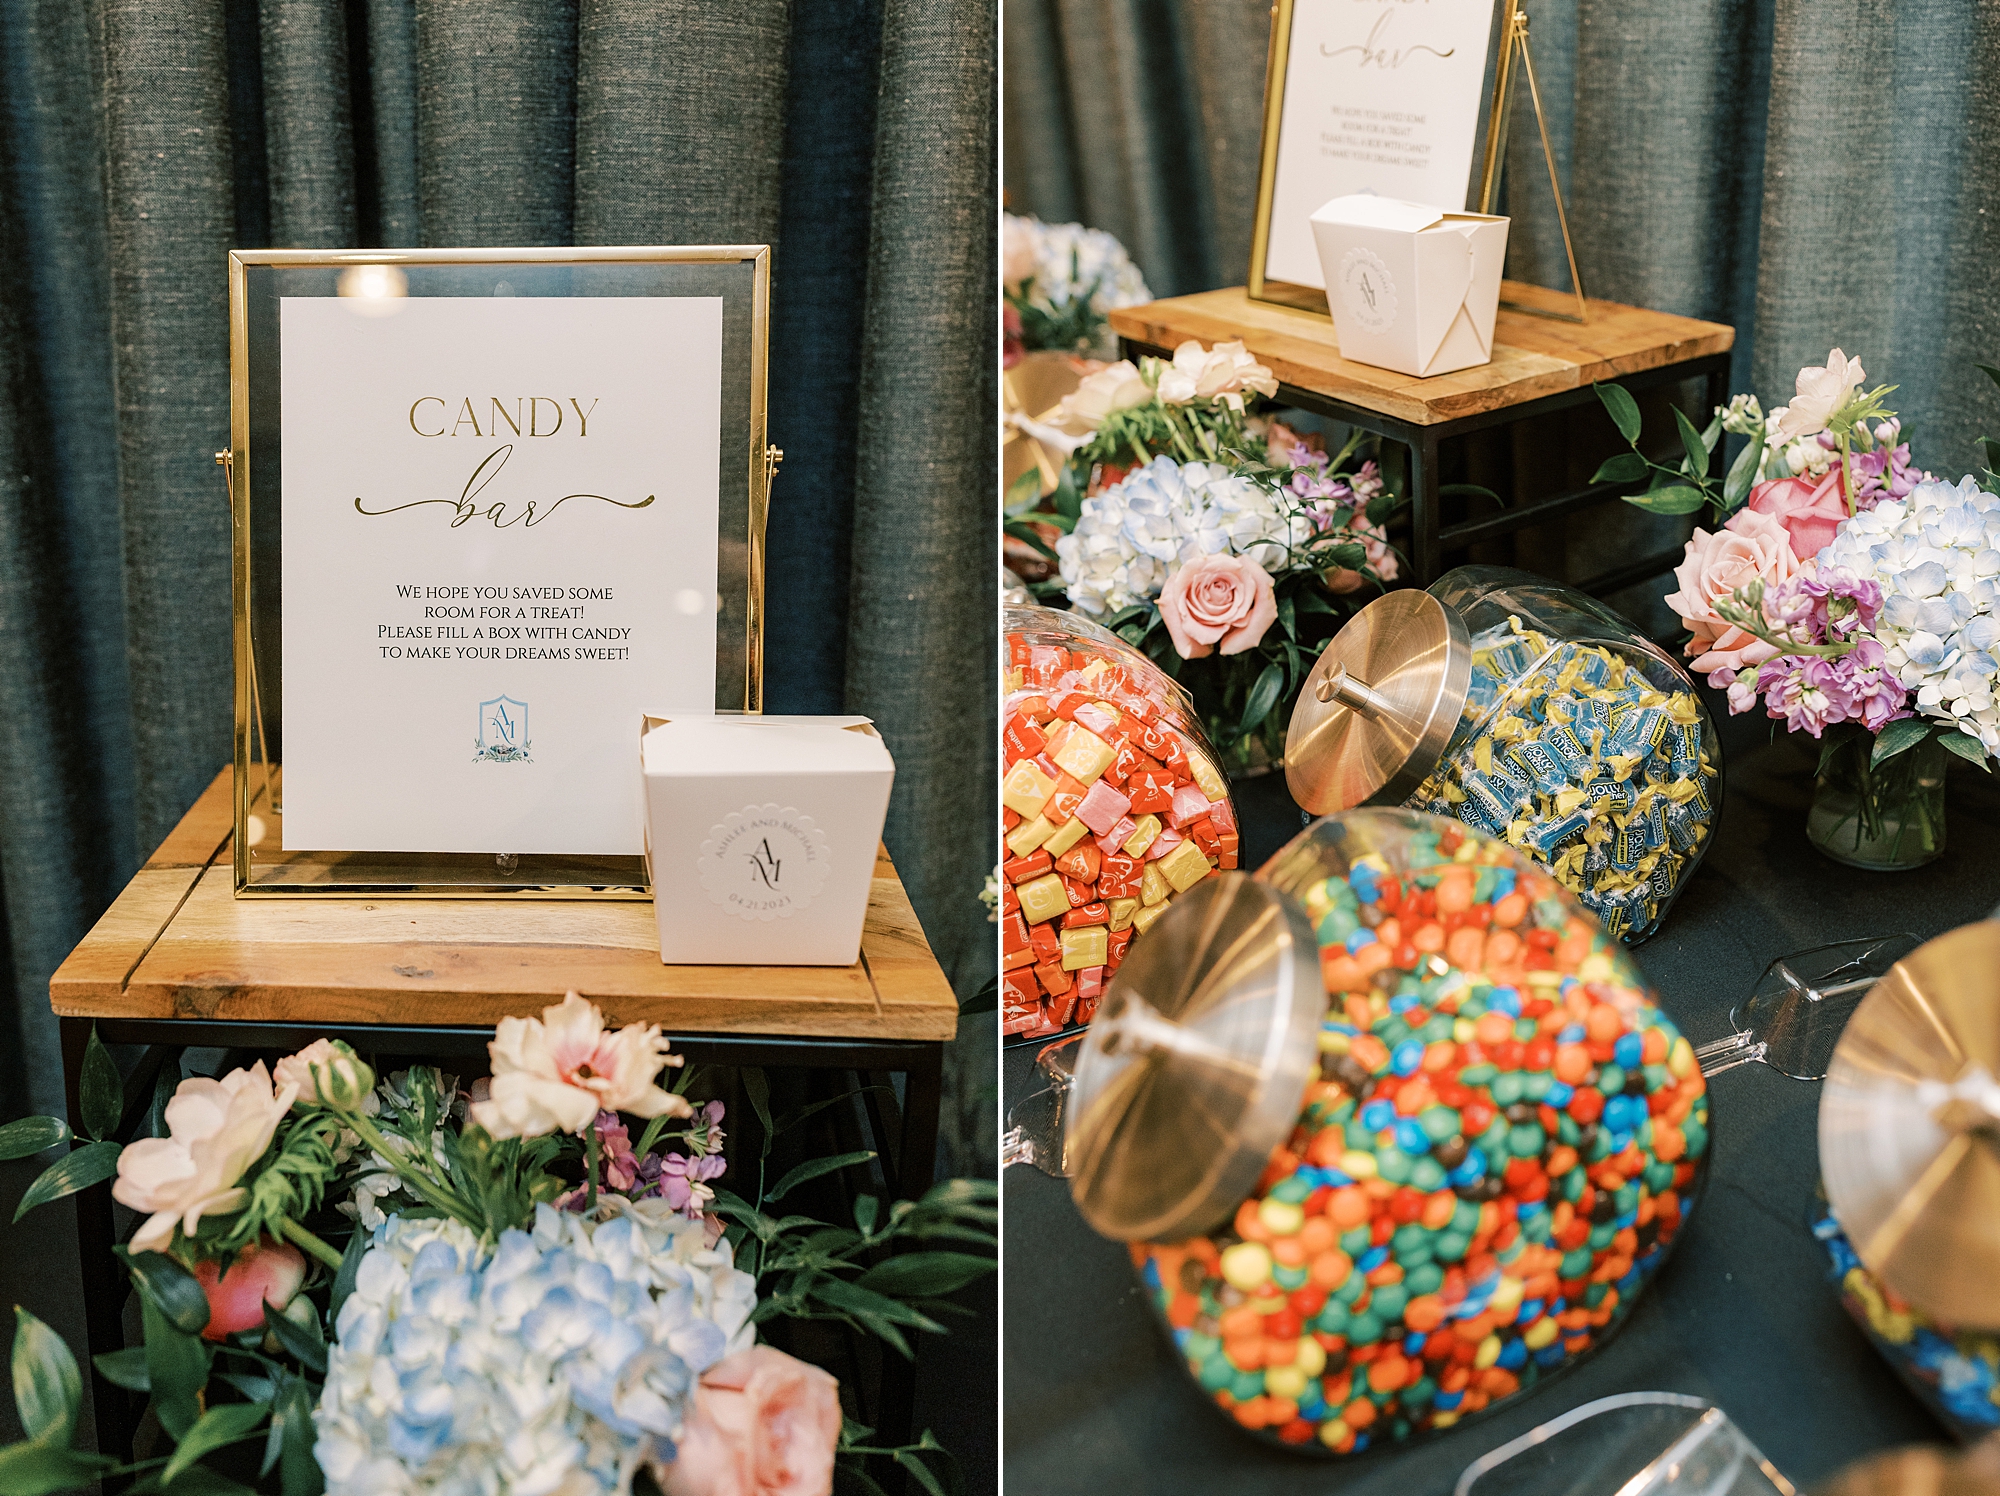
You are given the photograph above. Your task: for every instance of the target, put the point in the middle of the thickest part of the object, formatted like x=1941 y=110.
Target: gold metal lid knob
x=1197 y=1064
x=1909 y=1127
x=1379 y=706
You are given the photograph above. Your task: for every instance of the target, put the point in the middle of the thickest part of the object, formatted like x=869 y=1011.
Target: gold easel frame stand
x=1496 y=142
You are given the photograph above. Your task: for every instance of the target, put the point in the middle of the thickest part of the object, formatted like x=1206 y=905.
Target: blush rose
x=1217 y=603
x=1809 y=511
x=1750 y=547
x=763 y=1424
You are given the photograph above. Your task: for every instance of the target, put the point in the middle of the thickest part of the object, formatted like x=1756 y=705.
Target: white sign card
x=1383 y=96
x=500 y=547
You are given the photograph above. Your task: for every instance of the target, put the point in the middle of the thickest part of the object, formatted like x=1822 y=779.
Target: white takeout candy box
x=1412 y=288
x=761 y=835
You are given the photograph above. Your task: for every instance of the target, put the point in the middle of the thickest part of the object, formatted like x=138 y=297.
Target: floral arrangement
x=529 y=1300
x=1854 y=595
x=1215 y=538
x=1059 y=280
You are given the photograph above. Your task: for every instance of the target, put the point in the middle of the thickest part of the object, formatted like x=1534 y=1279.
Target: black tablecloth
x=1742 y=1314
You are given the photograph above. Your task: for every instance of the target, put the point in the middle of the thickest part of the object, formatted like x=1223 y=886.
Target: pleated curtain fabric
x=142 y=139
x=1814 y=174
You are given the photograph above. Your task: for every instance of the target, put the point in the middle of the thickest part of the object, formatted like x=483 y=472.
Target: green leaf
x=196 y=1480
x=30 y=1469
x=1899 y=736
x=1468 y=490
x=1623 y=408
x=1989 y=371
x=298 y=1469
x=1626 y=467
x=47 y=1387
x=125 y=1368
x=922 y=1474
x=855 y=1299
x=256 y=1389
x=1263 y=696
x=1069 y=500
x=1674 y=499
x=177 y=1366
x=165 y=1084
x=866 y=1208
x=926 y=1274
x=812 y=1169
x=302 y=1340
x=1692 y=444
x=30 y=1135
x=1024 y=493
x=1029 y=534
x=1288 y=616
x=1966 y=747
x=215 y=1428
x=350 y=1268
x=1742 y=473
x=172 y=1289
x=93 y=1163
x=757 y=1086
x=100 y=1090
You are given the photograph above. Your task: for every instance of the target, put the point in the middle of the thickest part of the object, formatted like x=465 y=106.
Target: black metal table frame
x=1429 y=542
x=905 y=1139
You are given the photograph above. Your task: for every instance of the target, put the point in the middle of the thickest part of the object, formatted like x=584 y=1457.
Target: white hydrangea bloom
x=1131 y=538
x=1071 y=259
x=1936 y=556
x=551 y=1364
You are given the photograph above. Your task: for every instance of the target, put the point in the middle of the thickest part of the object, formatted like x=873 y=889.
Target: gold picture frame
x=738 y=274
x=1486 y=156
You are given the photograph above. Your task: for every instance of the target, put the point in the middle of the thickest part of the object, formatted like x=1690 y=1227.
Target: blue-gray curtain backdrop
x=140 y=140
x=1815 y=173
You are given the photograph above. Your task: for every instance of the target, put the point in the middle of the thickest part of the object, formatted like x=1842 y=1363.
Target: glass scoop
x=1794 y=1016
x=1034 y=1133
x=1630 y=1444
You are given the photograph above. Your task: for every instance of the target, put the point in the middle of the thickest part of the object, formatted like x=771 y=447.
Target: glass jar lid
x=1909 y=1127
x=1379 y=706
x=1197 y=1064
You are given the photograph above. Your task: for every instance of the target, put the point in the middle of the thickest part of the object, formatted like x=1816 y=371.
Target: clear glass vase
x=1885 y=817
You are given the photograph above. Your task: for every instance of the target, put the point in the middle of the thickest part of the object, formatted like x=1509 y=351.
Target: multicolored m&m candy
x=1111 y=805
x=1504 y=1139
x=1572 y=753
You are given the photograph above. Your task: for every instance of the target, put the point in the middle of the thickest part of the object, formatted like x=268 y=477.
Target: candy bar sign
x=496 y=512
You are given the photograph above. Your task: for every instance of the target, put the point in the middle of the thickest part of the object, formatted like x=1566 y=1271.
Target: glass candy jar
x=1528 y=711
x=1111 y=806
x=1396 y=1130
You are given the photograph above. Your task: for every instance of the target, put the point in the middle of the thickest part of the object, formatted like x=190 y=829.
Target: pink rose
x=1213 y=600
x=265 y=1272
x=1809 y=513
x=763 y=1424
x=1752 y=546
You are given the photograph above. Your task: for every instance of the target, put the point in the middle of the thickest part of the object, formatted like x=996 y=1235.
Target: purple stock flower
x=621 y=1166
x=680 y=1175
x=1810 y=693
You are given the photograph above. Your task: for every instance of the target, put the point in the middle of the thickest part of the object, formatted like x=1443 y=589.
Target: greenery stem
x=299 y=1236
x=591 y=1146
x=426 y=1189
x=1847 y=474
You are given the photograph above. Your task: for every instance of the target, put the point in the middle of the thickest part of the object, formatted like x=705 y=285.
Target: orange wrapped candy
x=1111 y=805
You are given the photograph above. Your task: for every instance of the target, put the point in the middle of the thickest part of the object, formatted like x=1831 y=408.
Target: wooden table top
x=1532 y=356
x=177 y=943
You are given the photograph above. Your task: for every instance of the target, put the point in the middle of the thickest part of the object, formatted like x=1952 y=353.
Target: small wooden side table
x=178 y=961
x=1539 y=365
